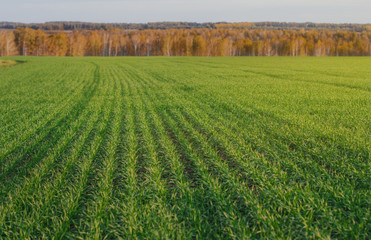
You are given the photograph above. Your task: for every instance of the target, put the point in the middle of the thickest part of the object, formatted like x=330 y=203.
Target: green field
x=185 y=148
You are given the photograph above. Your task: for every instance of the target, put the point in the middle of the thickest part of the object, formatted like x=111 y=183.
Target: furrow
x=23 y=121
x=91 y=190
x=100 y=213
x=27 y=194
x=78 y=192
x=127 y=223
x=33 y=137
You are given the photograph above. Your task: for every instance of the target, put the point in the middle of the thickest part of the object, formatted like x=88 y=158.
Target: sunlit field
x=185 y=148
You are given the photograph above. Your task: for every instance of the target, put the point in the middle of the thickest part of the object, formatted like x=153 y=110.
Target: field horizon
x=185 y=148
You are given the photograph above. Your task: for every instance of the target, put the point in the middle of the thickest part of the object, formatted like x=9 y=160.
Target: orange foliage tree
x=225 y=40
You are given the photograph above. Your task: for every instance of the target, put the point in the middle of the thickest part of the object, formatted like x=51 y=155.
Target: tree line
x=74 y=26
x=222 y=41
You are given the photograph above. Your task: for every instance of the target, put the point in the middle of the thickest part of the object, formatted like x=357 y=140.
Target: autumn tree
x=95 y=43
x=135 y=39
x=77 y=44
x=7 y=44
x=199 y=46
x=57 y=44
x=20 y=38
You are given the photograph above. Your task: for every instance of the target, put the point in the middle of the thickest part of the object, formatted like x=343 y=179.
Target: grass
x=185 y=148
x=6 y=63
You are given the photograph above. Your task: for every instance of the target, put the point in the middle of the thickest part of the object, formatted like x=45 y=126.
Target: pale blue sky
x=141 y=11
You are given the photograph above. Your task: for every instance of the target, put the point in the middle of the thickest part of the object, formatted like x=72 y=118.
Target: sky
x=142 y=11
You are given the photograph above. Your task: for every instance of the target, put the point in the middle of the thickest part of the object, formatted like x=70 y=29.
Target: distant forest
x=185 y=39
x=73 y=26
